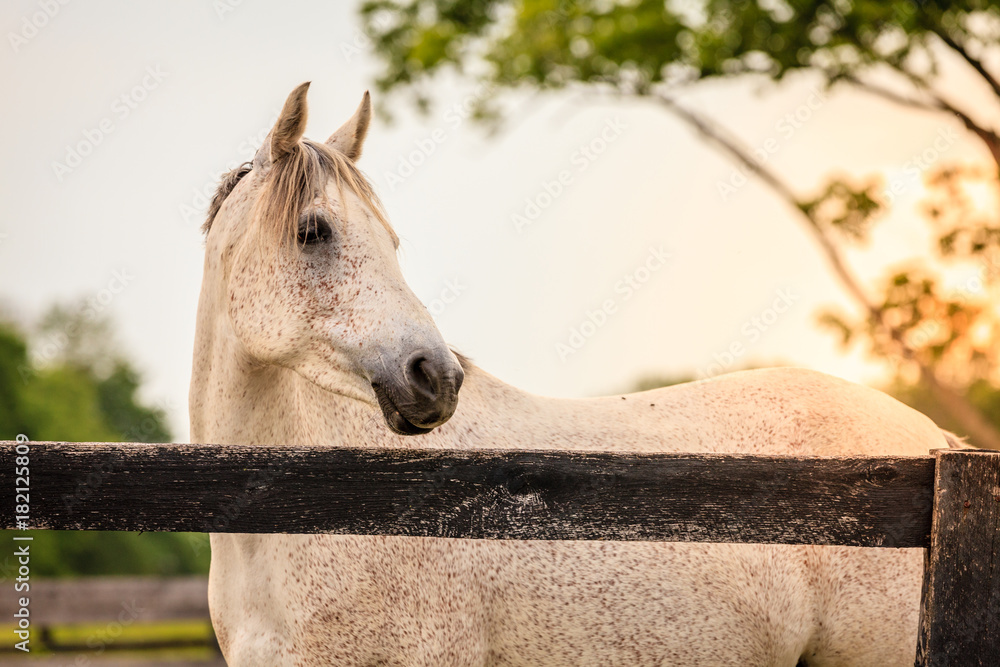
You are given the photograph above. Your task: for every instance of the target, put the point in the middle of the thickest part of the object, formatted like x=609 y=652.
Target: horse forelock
x=292 y=183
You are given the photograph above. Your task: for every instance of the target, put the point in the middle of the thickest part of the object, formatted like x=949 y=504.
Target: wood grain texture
x=960 y=615
x=524 y=494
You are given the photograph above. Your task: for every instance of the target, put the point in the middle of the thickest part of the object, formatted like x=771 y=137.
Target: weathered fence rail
x=520 y=495
x=948 y=502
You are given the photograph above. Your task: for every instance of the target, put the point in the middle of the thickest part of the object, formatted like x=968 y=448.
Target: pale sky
x=632 y=234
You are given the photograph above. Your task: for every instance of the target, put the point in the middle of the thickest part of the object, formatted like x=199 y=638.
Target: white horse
x=308 y=335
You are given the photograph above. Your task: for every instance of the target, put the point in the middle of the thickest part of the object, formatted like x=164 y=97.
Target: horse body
x=326 y=599
x=264 y=373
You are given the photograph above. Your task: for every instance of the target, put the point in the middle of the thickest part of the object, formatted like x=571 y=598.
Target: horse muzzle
x=423 y=395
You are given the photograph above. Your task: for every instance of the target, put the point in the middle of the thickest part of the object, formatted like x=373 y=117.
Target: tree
x=77 y=387
x=13 y=355
x=655 y=51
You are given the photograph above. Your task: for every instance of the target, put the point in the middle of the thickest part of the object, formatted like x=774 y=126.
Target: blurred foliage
x=850 y=210
x=648 y=382
x=945 y=306
x=962 y=204
x=638 y=44
x=934 y=318
x=982 y=394
x=657 y=381
x=67 y=381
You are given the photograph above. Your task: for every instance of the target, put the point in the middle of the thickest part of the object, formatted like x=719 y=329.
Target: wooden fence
x=948 y=503
x=114 y=604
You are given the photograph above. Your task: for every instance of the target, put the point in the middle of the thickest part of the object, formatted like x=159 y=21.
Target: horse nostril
x=419 y=371
x=426 y=395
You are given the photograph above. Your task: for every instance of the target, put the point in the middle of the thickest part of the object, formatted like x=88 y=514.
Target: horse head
x=311 y=280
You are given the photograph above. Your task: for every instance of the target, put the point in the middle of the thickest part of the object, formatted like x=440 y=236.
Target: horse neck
x=232 y=399
x=236 y=401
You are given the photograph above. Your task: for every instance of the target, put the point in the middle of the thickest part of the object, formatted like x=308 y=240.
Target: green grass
x=99 y=639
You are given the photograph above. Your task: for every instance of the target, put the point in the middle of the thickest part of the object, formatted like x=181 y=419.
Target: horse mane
x=293 y=182
x=465 y=362
x=226 y=185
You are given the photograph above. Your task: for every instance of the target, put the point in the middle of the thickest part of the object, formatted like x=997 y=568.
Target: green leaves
x=636 y=45
x=845 y=208
x=963 y=204
x=75 y=386
x=887 y=48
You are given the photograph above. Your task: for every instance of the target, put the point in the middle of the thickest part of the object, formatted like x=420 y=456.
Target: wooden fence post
x=960 y=611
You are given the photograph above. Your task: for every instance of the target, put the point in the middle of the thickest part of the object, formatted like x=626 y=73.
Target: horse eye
x=313 y=230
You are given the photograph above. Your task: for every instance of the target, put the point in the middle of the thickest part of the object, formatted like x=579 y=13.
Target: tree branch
x=988 y=137
x=974 y=62
x=938 y=104
x=733 y=148
x=891 y=95
x=968 y=415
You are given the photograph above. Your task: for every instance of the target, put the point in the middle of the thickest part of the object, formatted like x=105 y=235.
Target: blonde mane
x=293 y=182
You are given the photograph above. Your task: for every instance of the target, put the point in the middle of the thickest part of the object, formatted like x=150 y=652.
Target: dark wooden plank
x=105 y=599
x=522 y=494
x=960 y=614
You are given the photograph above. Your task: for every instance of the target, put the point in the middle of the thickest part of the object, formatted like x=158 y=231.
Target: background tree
x=67 y=381
x=656 y=51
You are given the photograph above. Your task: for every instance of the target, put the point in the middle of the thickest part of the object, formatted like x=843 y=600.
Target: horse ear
x=351 y=135
x=288 y=129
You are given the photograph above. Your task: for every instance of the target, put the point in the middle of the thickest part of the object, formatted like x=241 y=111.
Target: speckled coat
x=283 y=355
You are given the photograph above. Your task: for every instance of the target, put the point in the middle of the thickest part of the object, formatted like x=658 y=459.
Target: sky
x=583 y=246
